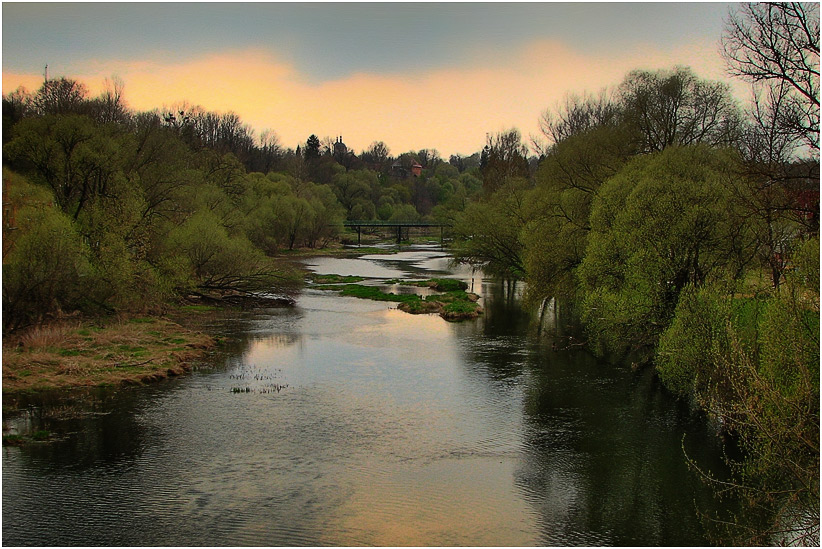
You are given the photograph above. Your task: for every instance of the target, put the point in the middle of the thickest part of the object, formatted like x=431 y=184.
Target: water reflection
x=347 y=422
x=599 y=463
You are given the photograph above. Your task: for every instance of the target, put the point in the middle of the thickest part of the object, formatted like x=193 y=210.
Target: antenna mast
x=47 y=72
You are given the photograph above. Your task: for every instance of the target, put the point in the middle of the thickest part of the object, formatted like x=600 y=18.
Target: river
x=347 y=422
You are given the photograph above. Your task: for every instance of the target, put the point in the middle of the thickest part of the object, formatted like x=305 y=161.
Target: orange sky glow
x=448 y=109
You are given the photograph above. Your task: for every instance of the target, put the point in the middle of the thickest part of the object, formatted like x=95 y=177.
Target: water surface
x=348 y=422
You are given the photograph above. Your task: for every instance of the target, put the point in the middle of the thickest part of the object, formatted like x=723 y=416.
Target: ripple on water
x=387 y=429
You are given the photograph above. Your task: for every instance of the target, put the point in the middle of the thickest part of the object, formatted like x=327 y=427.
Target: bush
x=219 y=262
x=753 y=363
x=46 y=269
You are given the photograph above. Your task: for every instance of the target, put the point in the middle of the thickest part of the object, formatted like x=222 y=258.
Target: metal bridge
x=398 y=225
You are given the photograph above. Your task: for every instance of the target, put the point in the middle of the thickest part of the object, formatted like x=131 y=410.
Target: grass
x=375 y=294
x=76 y=355
x=452 y=305
x=335 y=279
x=334 y=252
x=438 y=284
x=21 y=440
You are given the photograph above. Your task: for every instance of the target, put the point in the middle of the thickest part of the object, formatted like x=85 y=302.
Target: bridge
x=398 y=225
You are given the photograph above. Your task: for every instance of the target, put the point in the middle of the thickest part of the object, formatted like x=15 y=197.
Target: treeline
x=686 y=232
x=107 y=209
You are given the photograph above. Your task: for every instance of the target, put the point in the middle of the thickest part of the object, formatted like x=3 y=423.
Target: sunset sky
x=423 y=75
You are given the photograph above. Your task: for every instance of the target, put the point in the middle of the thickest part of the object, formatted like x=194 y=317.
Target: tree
x=311 y=150
x=503 y=159
x=46 y=269
x=16 y=106
x=63 y=96
x=428 y=158
x=218 y=261
x=670 y=108
x=568 y=181
x=69 y=154
x=578 y=114
x=326 y=221
x=352 y=188
x=376 y=156
x=490 y=232
x=464 y=163
x=664 y=222
x=775 y=46
x=753 y=364
x=110 y=106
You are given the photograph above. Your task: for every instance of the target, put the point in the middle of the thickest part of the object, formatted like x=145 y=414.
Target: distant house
x=403 y=168
x=803 y=189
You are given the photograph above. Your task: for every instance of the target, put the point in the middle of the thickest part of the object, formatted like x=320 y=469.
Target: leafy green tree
x=219 y=262
x=70 y=154
x=753 y=364
x=663 y=222
x=328 y=214
x=490 y=232
x=46 y=269
x=568 y=181
x=354 y=188
x=404 y=212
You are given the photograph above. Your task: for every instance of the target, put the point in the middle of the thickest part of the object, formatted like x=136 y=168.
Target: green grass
x=448 y=284
x=68 y=352
x=438 y=284
x=373 y=293
x=13 y=440
x=452 y=305
x=460 y=307
x=335 y=279
x=142 y=320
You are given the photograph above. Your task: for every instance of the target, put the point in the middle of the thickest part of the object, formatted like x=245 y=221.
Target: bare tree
x=668 y=108
x=110 y=105
x=503 y=158
x=60 y=96
x=775 y=46
x=377 y=155
x=577 y=114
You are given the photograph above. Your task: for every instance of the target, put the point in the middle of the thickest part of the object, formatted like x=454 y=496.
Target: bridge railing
x=398 y=225
x=394 y=224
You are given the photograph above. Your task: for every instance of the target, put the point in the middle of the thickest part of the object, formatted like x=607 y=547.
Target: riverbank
x=100 y=352
x=125 y=350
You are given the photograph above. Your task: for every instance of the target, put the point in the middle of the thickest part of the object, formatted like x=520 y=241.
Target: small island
x=452 y=302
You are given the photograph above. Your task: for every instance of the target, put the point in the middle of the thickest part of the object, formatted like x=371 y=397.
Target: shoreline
x=100 y=353
x=128 y=349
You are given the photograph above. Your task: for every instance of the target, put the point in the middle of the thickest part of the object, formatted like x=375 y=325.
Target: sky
x=413 y=75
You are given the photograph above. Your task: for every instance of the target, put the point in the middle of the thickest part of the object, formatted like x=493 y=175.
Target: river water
x=347 y=422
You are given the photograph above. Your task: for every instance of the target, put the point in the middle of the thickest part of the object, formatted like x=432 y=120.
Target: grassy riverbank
x=101 y=352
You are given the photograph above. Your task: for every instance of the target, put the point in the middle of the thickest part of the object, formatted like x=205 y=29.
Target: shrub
x=46 y=269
